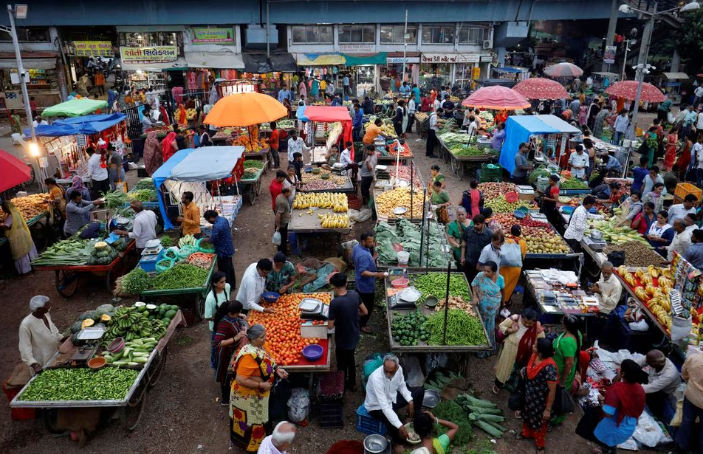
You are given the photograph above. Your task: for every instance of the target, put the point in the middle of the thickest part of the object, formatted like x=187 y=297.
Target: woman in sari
x=255 y=372
x=487 y=289
x=169 y=146
x=424 y=424
x=540 y=376
x=616 y=420
x=672 y=142
x=512 y=253
x=567 y=348
x=455 y=233
x=229 y=335
x=684 y=158
x=152 y=153
x=521 y=332
x=22 y=246
x=57 y=196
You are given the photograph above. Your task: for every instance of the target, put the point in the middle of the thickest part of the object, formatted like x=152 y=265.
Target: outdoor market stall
x=411 y=245
x=557 y=293
x=323 y=180
x=319 y=213
x=189 y=170
x=74 y=108
x=74 y=258
x=95 y=369
x=35 y=211
x=327 y=115
x=68 y=139
x=419 y=321
x=465 y=152
x=519 y=129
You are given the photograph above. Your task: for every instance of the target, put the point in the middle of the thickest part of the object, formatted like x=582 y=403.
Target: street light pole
x=624 y=60
x=405 y=44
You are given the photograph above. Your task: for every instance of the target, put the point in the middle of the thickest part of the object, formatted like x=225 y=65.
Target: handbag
x=517 y=397
x=562 y=401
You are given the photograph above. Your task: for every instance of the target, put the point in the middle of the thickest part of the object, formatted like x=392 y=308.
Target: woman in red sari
x=169 y=147
x=228 y=337
x=685 y=157
x=672 y=140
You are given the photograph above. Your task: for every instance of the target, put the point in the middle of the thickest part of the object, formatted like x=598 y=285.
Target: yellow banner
x=93 y=49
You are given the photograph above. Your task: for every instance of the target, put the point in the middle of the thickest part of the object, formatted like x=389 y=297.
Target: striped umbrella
x=627 y=89
x=563 y=69
x=541 y=88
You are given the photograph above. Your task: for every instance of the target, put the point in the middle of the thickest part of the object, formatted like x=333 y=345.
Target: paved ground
x=182 y=414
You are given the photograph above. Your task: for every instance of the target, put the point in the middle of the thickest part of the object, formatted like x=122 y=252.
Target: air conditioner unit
x=486 y=44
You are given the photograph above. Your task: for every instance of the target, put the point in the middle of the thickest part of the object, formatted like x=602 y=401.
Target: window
x=146 y=39
x=312 y=34
x=472 y=35
x=27 y=35
x=393 y=34
x=357 y=34
x=438 y=34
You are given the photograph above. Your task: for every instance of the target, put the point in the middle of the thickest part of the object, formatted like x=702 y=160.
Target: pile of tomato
x=283 y=339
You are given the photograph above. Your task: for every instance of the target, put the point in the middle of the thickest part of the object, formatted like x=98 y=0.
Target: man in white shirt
x=697 y=160
x=432 y=139
x=253 y=284
x=98 y=174
x=386 y=392
x=608 y=289
x=143 y=227
x=345 y=158
x=664 y=378
x=578 y=223
x=280 y=441
x=681 y=241
x=412 y=107
x=578 y=162
x=295 y=145
x=680 y=210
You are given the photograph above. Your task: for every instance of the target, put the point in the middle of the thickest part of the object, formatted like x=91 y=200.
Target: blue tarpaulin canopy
x=519 y=128
x=86 y=124
x=196 y=164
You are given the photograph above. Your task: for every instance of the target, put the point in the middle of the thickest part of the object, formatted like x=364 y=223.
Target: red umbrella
x=496 y=97
x=12 y=171
x=563 y=69
x=627 y=89
x=540 y=88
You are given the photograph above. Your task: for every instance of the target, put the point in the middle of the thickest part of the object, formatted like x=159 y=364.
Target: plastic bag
x=648 y=432
x=641 y=326
x=298 y=405
x=276 y=239
x=511 y=254
x=680 y=329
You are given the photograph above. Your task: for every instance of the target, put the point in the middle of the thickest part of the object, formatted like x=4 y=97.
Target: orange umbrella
x=245 y=109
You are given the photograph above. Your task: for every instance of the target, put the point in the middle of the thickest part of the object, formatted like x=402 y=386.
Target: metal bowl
x=431 y=398
x=375 y=444
x=431 y=302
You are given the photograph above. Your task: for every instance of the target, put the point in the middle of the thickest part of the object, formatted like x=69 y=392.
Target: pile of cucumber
x=483 y=414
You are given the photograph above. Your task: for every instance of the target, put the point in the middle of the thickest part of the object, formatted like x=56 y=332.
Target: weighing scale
x=313 y=309
x=89 y=337
x=150 y=255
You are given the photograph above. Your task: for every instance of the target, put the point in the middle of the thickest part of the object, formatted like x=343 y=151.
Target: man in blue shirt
x=404 y=89
x=694 y=253
x=284 y=93
x=638 y=174
x=221 y=239
x=613 y=165
x=365 y=275
x=357 y=123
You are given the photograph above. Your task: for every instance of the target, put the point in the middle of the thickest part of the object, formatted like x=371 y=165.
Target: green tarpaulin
x=74 y=108
x=371 y=59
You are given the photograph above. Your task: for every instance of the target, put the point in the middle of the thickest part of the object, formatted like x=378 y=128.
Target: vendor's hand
x=411 y=409
x=546 y=414
x=282 y=373
x=403 y=432
x=179 y=219
x=36 y=368
x=268 y=310
x=239 y=335
x=265 y=386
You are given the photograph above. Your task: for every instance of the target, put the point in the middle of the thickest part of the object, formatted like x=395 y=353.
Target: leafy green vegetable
x=109 y=383
x=135 y=282
x=115 y=199
x=144 y=183
x=72 y=251
x=143 y=195
x=182 y=275
x=462 y=329
x=166 y=241
x=435 y=284
x=254 y=164
x=249 y=175
x=573 y=183
x=451 y=411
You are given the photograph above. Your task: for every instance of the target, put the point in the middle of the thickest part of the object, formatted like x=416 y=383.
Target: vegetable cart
x=462 y=165
x=198 y=294
x=130 y=408
x=251 y=187
x=67 y=277
x=422 y=346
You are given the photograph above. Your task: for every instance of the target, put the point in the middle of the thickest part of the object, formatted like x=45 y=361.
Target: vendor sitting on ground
x=386 y=393
x=664 y=378
x=282 y=276
x=39 y=337
x=424 y=424
x=315 y=274
x=332 y=158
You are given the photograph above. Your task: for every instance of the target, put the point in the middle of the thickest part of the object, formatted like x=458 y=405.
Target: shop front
x=396 y=63
x=330 y=66
x=456 y=70
x=94 y=59
x=43 y=84
x=366 y=73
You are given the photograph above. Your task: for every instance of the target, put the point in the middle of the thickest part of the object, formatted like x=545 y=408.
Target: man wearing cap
x=39 y=337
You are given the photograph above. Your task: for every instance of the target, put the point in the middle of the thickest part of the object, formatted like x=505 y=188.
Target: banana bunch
x=334 y=200
x=334 y=221
x=132 y=324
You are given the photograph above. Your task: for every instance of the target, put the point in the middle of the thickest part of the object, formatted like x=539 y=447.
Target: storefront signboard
x=609 y=55
x=149 y=54
x=392 y=60
x=449 y=58
x=92 y=49
x=356 y=48
x=205 y=35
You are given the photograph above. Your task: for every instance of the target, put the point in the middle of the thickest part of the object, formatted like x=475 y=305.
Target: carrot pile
x=283 y=339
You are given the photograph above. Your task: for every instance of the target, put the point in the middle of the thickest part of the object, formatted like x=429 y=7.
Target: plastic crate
x=683 y=189
x=331 y=413
x=365 y=423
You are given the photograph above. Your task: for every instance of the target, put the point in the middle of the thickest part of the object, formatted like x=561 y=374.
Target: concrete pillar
x=501 y=56
x=612 y=23
x=60 y=67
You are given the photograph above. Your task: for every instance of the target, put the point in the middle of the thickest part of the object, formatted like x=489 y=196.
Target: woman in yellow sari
x=255 y=372
x=512 y=254
x=17 y=233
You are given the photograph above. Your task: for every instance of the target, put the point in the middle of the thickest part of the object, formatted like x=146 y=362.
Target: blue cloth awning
x=86 y=125
x=195 y=164
x=300 y=113
x=519 y=128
